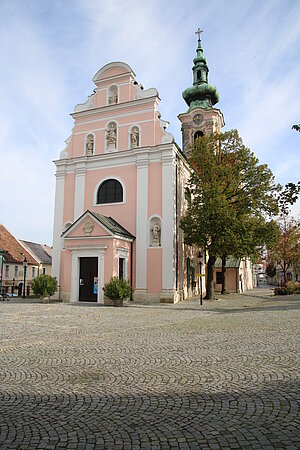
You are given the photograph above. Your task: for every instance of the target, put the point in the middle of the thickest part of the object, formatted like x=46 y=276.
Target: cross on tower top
x=199 y=31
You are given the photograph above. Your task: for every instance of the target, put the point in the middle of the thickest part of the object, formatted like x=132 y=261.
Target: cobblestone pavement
x=221 y=376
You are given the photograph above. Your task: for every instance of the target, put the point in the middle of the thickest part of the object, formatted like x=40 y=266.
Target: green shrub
x=44 y=285
x=293 y=287
x=117 y=288
x=280 y=291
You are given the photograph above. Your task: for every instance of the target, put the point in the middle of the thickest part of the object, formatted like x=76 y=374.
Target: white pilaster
x=79 y=191
x=168 y=228
x=141 y=222
x=75 y=277
x=58 y=223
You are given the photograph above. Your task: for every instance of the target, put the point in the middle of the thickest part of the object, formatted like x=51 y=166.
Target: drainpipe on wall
x=177 y=227
x=131 y=275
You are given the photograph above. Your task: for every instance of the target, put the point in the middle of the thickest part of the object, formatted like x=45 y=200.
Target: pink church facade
x=120 y=190
x=119 y=194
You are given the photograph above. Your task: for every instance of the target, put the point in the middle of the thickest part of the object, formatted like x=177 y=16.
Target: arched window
x=198 y=135
x=110 y=191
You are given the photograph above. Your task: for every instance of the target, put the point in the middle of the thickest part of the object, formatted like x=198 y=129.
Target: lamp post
x=25 y=269
x=200 y=273
x=2 y=253
x=13 y=286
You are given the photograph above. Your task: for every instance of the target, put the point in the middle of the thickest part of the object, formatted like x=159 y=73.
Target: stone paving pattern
x=224 y=375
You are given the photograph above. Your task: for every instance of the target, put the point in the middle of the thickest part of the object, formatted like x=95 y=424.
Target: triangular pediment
x=96 y=225
x=87 y=225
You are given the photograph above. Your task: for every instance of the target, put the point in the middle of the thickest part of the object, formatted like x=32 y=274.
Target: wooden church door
x=88 y=279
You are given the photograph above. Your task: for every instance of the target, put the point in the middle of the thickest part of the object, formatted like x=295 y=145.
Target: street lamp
x=25 y=268
x=200 y=274
x=2 y=253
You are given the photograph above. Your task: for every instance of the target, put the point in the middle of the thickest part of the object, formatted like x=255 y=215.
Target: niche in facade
x=134 y=137
x=89 y=145
x=155 y=232
x=113 y=95
x=111 y=137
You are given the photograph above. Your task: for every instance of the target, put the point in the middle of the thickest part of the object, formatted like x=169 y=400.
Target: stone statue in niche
x=155 y=235
x=113 y=99
x=90 y=145
x=134 y=138
x=111 y=136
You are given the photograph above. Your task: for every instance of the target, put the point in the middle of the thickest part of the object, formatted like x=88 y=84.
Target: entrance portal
x=88 y=281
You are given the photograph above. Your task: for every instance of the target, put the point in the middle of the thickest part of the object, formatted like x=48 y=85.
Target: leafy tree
x=287 y=197
x=247 y=237
x=287 y=250
x=271 y=269
x=230 y=197
x=44 y=285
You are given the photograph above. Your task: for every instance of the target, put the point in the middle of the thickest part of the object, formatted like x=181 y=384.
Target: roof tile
x=14 y=251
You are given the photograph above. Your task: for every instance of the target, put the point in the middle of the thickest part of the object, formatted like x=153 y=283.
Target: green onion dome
x=201 y=94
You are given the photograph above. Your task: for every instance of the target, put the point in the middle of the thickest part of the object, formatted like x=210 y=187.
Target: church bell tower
x=201 y=118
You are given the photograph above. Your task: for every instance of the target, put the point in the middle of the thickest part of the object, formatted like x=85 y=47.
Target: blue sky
x=51 y=49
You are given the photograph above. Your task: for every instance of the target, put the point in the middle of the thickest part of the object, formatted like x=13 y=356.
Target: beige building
x=12 y=265
x=42 y=253
x=239 y=276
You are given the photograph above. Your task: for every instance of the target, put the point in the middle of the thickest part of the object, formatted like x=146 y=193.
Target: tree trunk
x=284 y=273
x=223 y=291
x=210 y=294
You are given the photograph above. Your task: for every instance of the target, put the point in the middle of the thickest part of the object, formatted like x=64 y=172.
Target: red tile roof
x=14 y=251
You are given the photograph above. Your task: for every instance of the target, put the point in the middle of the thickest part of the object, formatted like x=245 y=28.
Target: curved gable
x=112 y=70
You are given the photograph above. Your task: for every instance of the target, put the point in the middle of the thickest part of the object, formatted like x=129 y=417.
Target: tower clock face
x=197 y=119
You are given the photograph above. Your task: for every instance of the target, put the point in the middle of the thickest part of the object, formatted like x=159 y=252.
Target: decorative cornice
x=126 y=157
x=79 y=247
x=116 y=107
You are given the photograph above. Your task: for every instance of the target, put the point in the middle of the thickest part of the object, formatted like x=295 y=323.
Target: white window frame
x=98 y=186
x=124 y=254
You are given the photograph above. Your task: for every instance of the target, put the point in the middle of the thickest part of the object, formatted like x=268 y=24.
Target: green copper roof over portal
x=201 y=94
